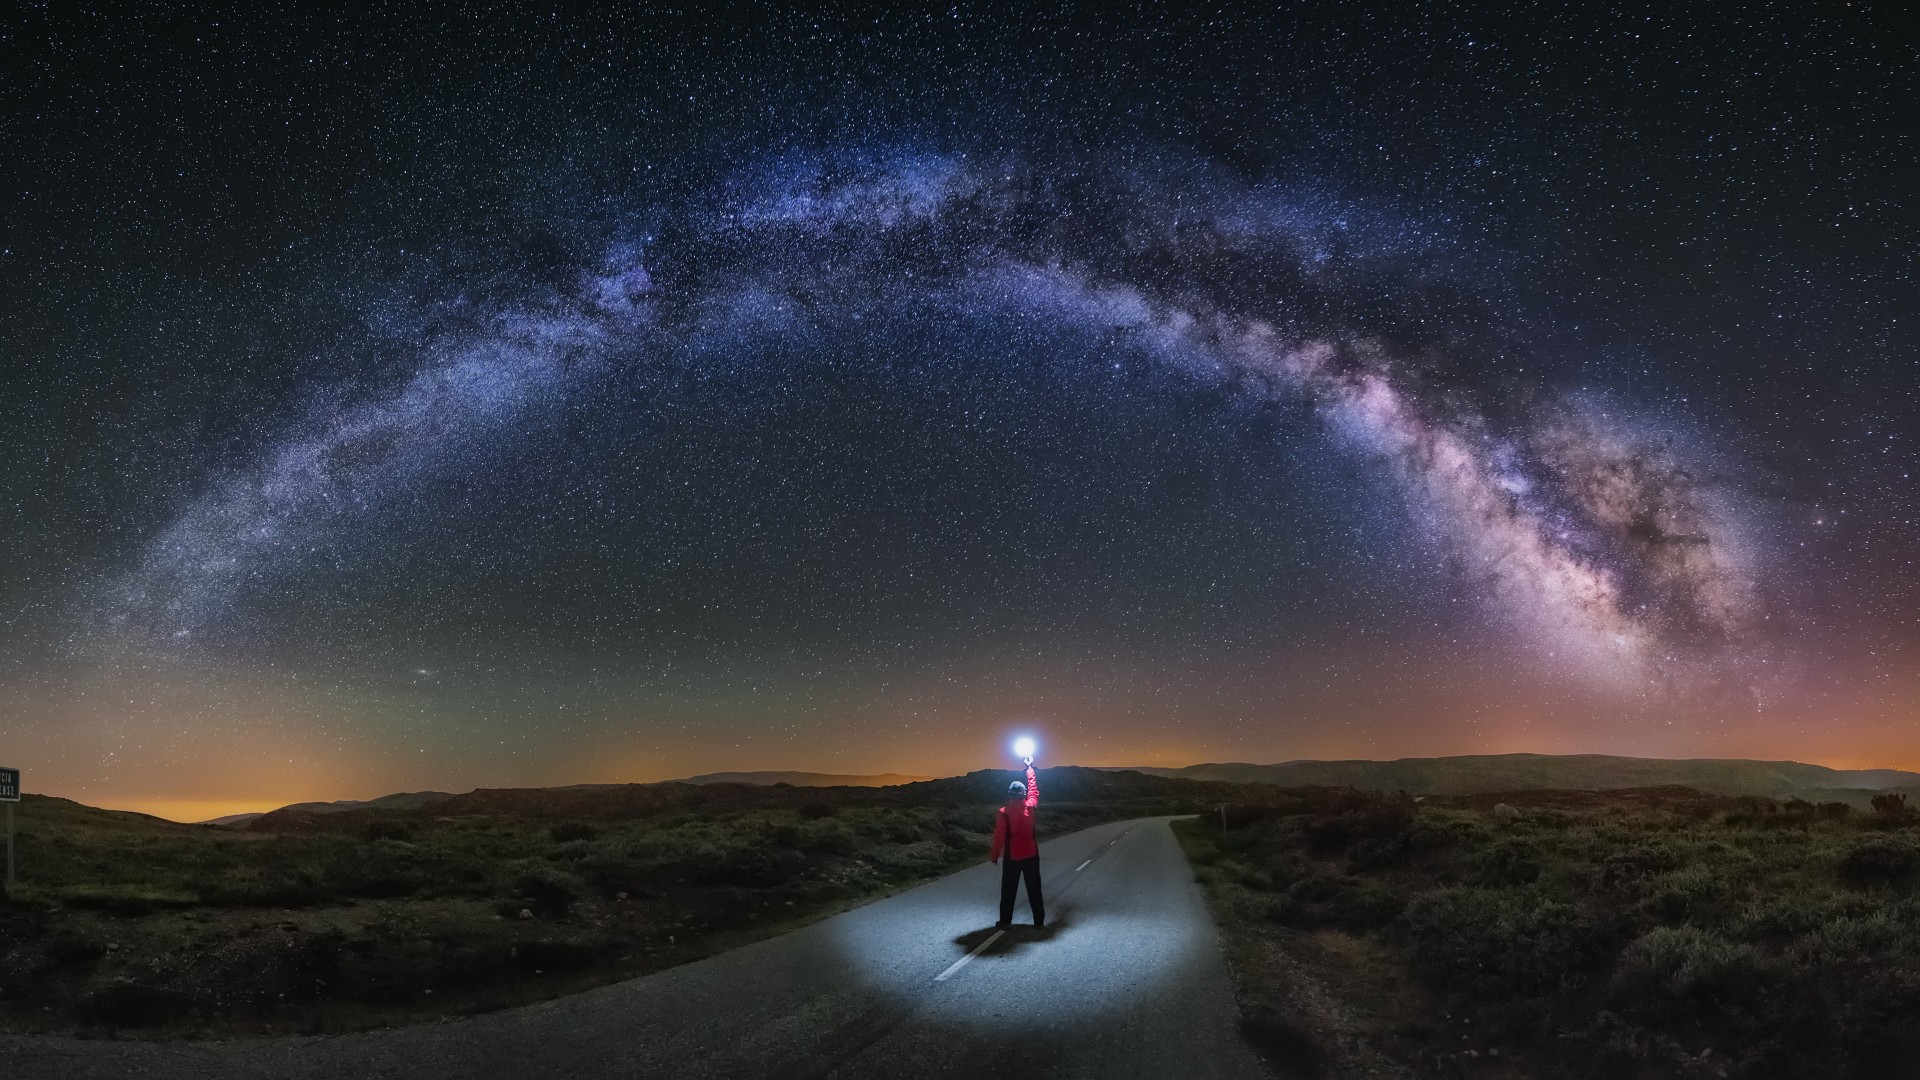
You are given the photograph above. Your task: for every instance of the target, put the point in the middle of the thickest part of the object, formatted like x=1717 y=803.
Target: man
x=1013 y=834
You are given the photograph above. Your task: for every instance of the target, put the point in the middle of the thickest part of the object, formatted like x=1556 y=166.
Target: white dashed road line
x=1082 y=866
x=962 y=962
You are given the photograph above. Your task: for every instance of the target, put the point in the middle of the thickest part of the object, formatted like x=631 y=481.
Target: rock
x=525 y=914
x=620 y=896
x=1503 y=812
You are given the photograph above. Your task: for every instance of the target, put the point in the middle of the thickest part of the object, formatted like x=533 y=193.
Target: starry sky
x=446 y=397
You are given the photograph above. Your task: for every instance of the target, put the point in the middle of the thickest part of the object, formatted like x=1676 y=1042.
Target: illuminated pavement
x=1128 y=981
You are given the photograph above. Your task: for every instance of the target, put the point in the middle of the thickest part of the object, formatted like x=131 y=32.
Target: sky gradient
x=483 y=399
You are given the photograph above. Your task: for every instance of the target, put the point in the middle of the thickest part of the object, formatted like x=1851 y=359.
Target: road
x=1127 y=980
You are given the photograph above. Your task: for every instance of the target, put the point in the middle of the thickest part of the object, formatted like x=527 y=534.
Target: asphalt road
x=1126 y=981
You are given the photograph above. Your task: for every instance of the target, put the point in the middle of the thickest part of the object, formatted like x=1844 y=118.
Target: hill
x=402 y=800
x=1479 y=774
x=614 y=802
x=805 y=779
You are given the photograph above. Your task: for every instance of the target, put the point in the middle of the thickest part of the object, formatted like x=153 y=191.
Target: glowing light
x=1023 y=747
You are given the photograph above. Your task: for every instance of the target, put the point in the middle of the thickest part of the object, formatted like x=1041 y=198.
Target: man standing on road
x=1013 y=834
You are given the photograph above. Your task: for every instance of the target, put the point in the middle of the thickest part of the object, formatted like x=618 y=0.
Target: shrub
x=545 y=887
x=1683 y=972
x=383 y=870
x=1696 y=893
x=1790 y=915
x=1341 y=817
x=392 y=829
x=614 y=872
x=1891 y=804
x=1869 y=939
x=567 y=831
x=1507 y=862
x=1374 y=853
x=1637 y=862
x=828 y=837
x=814 y=811
x=1873 y=860
x=292 y=887
x=1499 y=942
x=751 y=867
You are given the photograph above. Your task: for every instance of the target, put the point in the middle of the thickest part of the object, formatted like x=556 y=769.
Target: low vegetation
x=323 y=922
x=1650 y=933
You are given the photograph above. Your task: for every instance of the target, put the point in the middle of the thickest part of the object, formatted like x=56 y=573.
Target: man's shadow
x=1017 y=936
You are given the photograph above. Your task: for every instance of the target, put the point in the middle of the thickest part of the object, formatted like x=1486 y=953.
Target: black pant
x=1011 y=870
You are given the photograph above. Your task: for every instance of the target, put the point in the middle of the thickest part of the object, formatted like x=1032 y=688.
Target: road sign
x=9 y=794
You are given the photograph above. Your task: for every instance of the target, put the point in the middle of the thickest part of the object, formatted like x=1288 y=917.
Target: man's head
x=1016 y=790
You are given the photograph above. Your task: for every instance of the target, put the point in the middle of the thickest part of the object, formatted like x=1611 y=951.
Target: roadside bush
x=1375 y=853
x=1692 y=893
x=827 y=837
x=1343 y=816
x=751 y=867
x=614 y=872
x=1869 y=939
x=1879 y=860
x=1499 y=942
x=544 y=887
x=1637 y=862
x=383 y=870
x=1325 y=900
x=1891 y=806
x=1507 y=861
x=290 y=887
x=1790 y=915
x=567 y=831
x=1424 y=836
x=392 y=829
x=1683 y=972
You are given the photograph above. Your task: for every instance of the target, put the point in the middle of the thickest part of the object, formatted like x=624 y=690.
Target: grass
x=1652 y=933
x=320 y=923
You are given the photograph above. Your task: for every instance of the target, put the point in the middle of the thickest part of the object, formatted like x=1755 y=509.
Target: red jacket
x=1013 y=825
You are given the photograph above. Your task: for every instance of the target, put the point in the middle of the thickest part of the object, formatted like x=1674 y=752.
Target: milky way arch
x=1597 y=543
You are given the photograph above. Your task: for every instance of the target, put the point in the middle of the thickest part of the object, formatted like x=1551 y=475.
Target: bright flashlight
x=1023 y=747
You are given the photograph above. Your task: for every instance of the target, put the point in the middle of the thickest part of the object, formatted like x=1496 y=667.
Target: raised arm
x=1033 y=788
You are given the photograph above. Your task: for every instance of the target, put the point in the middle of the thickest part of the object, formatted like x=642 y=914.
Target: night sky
x=455 y=398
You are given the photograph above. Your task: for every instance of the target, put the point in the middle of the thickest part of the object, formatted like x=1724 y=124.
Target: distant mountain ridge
x=400 y=800
x=806 y=779
x=413 y=800
x=1464 y=775
x=1480 y=774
